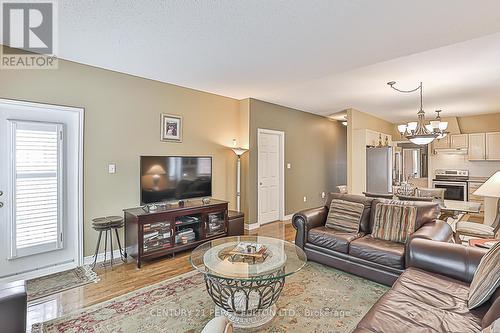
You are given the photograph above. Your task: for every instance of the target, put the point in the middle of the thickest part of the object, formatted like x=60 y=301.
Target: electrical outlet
x=289 y=165
x=323 y=195
x=305 y=199
x=111 y=168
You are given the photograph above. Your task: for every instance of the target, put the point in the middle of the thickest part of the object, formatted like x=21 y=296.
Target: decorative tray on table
x=246 y=252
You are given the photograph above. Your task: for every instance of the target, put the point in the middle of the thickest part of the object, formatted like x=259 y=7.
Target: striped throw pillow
x=344 y=215
x=486 y=278
x=394 y=222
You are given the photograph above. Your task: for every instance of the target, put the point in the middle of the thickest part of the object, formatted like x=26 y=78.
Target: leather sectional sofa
x=431 y=295
x=359 y=253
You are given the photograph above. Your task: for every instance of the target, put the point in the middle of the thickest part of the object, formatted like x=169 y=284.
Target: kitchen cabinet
x=372 y=138
x=456 y=141
x=493 y=146
x=442 y=143
x=459 y=141
x=477 y=147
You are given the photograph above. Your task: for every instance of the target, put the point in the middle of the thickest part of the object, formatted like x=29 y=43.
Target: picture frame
x=171 y=128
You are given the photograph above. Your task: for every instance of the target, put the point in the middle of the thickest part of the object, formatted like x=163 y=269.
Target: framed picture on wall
x=171 y=128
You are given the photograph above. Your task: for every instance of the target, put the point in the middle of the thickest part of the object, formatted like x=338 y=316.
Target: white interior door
x=41 y=186
x=270 y=171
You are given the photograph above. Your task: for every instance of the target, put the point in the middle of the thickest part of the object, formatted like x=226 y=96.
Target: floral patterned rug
x=55 y=283
x=316 y=299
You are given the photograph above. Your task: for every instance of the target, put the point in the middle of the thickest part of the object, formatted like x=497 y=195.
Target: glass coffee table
x=245 y=287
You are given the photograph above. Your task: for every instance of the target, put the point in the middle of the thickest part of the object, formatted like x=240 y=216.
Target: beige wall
x=357 y=123
x=314 y=145
x=122 y=122
x=480 y=123
x=367 y=121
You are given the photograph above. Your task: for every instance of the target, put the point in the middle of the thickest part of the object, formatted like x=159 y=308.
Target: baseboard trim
x=38 y=272
x=100 y=257
x=287 y=217
x=252 y=226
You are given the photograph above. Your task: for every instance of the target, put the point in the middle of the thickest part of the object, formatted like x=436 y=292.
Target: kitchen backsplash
x=450 y=161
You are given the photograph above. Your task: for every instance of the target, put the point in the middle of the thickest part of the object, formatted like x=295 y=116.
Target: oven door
x=454 y=190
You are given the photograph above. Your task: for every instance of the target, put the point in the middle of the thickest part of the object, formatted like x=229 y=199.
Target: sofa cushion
x=394 y=221
x=421 y=301
x=331 y=239
x=367 y=202
x=383 y=252
x=486 y=278
x=426 y=211
x=344 y=215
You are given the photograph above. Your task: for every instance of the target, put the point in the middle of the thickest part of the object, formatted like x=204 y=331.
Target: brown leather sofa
x=431 y=295
x=359 y=253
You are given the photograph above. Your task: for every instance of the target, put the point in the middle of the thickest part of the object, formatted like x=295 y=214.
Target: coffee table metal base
x=248 y=320
x=246 y=303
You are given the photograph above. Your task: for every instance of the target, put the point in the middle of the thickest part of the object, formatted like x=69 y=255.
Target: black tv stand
x=173 y=227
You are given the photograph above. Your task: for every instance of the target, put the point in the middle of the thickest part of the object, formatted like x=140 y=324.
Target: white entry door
x=270 y=175
x=41 y=188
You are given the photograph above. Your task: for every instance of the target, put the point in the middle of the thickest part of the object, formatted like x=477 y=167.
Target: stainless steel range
x=455 y=183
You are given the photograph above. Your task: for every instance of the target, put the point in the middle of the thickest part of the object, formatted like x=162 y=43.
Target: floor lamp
x=238 y=151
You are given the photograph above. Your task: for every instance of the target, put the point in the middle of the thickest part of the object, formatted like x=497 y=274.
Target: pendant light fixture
x=439 y=126
x=418 y=132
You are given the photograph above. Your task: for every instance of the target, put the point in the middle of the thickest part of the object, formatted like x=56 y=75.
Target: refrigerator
x=379 y=169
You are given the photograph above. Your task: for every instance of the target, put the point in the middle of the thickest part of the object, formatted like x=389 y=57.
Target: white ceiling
x=320 y=56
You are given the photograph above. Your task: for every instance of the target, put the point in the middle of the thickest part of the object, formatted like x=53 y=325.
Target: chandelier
x=418 y=132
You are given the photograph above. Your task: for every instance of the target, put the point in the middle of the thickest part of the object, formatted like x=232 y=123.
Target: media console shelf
x=173 y=228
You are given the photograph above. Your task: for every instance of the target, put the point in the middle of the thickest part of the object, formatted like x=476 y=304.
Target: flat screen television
x=173 y=178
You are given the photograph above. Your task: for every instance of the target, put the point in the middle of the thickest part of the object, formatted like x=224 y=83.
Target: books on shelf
x=157 y=245
x=185 y=236
x=155 y=235
x=156 y=226
x=187 y=220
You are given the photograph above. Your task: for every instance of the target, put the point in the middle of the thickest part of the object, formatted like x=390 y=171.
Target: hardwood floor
x=125 y=277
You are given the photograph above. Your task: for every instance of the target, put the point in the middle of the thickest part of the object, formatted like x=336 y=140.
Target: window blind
x=37 y=185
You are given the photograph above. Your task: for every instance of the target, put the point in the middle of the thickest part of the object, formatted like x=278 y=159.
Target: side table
x=236 y=223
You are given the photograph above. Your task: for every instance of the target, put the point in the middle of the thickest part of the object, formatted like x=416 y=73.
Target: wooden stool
x=107 y=224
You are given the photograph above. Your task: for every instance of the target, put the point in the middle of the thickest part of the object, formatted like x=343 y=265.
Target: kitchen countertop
x=461 y=206
x=477 y=179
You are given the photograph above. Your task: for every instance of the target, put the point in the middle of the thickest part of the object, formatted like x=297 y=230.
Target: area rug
x=316 y=299
x=55 y=283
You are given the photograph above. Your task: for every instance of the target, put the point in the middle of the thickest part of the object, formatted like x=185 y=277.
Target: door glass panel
x=37 y=170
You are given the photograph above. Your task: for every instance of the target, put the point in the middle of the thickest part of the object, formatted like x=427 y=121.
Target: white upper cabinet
x=477 y=146
x=493 y=146
x=373 y=138
x=442 y=143
x=484 y=146
x=459 y=141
